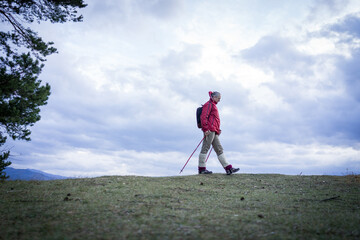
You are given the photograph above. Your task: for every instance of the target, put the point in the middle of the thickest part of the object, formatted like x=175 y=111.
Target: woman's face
x=217 y=98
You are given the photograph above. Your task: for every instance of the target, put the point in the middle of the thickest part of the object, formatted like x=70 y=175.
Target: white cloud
x=295 y=159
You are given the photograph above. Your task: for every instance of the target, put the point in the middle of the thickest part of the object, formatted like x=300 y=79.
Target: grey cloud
x=133 y=11
x=350 y=71
x=349 y=67
x=177 y=61
x=332 y=7
x=162 y=9
x=326 y=118
x=79 y=115
x=278 y=54
x=193 y=87
x=329 y=118
x=348 y=27
x=106 y=14
x=349 y=24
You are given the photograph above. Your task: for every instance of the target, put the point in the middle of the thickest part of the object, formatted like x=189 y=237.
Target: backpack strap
x=210 y=103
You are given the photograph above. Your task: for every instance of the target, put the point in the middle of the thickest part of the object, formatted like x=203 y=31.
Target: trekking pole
x=209 y=154
x=191 y=155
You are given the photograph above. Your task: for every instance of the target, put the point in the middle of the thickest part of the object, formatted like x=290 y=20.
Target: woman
x=210 y=122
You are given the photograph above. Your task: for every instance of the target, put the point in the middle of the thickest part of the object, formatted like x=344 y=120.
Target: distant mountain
x=30 y=174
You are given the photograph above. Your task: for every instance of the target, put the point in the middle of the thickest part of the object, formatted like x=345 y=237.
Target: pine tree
x=21 y=91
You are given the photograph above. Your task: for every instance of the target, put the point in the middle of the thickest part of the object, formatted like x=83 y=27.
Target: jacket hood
x=210 y=92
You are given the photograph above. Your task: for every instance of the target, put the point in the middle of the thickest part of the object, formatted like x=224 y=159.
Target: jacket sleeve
x=205 y=116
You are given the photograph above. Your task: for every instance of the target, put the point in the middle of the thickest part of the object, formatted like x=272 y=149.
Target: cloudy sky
x=128 y=79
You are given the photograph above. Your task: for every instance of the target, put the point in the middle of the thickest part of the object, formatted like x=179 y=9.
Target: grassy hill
x=241 y=206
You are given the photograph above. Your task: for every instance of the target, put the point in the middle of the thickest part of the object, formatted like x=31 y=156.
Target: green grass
x=241 y=206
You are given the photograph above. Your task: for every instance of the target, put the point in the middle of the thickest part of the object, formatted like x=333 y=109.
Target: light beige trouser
x=212 y=139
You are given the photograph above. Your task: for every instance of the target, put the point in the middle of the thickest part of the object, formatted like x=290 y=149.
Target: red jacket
x=210 y=119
